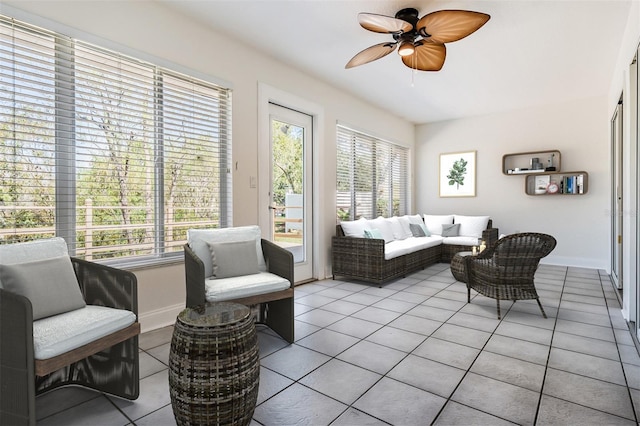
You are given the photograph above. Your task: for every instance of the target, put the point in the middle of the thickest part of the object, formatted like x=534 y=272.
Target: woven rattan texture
x=505 y=271
x=363 y=258
x=214 y=372
x=457 y=266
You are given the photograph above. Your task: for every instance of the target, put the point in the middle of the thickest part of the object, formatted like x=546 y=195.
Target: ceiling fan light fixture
x=406 y=48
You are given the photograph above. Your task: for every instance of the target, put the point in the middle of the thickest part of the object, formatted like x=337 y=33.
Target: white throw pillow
x=382 y=224
x=396 y=227
x=434 y=222
x=471 y=226
x=355 y=228
x=415 y=219
x=404 y=223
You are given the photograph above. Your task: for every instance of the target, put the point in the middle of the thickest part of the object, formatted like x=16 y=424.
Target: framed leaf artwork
x=457 y=176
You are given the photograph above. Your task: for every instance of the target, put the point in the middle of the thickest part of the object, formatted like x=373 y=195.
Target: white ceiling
x=531 y=52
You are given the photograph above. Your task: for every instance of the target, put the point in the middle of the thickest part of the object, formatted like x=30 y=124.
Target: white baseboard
x=579 y=262
x=159 y=318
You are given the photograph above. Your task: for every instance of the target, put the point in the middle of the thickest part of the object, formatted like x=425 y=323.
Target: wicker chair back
x=506 y=270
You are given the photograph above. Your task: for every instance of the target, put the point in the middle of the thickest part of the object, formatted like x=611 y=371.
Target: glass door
x=290 y=192
x=616 y=202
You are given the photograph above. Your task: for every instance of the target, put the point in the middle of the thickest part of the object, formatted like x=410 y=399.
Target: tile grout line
x=427 y=337
x=360 y=340
x=335 y=357
x=624 y=374
x=553 y=334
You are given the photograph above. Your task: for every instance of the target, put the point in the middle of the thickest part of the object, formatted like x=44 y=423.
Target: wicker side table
x=214 y=366
x=457 y=266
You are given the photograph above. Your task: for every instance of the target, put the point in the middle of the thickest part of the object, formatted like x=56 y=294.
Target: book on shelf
x=580 y=184
x=572 y=184
x=567 y=185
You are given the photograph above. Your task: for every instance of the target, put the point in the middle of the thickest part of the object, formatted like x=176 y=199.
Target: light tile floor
x=415 y=353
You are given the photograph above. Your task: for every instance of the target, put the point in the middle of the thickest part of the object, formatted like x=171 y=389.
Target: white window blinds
x=371 y=176
x=118 y=156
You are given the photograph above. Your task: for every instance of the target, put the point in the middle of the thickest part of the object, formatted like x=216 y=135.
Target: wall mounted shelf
x=520 y=163
x=557 y=183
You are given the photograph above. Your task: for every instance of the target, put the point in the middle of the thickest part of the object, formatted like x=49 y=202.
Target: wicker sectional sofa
x=395 y=251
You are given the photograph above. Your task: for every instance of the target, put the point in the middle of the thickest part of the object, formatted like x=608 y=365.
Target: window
x=118 y=156
x=371 y=176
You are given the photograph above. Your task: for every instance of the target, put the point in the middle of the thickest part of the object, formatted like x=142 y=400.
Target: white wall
x=579 y=130
x=155 y=30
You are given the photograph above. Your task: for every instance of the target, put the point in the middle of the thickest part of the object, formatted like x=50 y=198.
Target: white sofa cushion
x=217 y=290
x=398 y=248
x=406 y=229
x=396 y=227
x=471 y=226
x=460 y=241
x=415 y=218
x=434 y=222
x=355 y=228
x=384 y=226
x=61 y=333
x=198 y=239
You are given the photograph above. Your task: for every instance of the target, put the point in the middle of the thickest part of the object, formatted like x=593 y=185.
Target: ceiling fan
x=420 y=40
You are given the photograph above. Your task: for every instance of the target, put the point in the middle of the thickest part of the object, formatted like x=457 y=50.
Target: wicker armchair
x=505 y=271
x=70 y=348
x=276 y=264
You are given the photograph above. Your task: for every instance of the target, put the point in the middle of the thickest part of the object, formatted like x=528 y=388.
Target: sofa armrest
x=279 y=261
x=106 y=286
x=194 y=277
x=350 y=254
x=370 y=247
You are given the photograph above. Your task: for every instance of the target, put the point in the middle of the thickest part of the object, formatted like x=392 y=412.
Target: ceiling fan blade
x=426 y=57
x=383 y=24
x=446 y=26
x=371 y=54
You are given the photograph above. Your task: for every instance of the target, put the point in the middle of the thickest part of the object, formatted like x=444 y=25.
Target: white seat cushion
x=412 y=244
x=218 y=290
x=61 y=333
x=460 y=241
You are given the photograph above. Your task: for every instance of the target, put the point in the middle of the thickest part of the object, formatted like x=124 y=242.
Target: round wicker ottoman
x=457 y=266
x=214 y=367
